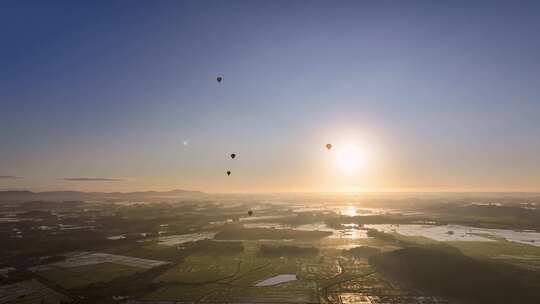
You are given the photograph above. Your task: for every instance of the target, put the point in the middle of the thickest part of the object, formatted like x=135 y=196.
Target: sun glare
x=349 y=211
x=350 y=159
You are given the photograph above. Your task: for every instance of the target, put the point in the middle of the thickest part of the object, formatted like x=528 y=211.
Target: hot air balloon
x=219 y=79
x=250 y=213
x=328 y=146
x=233 y=156
x=228 y=172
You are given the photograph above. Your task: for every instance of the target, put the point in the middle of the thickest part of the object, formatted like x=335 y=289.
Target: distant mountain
x=19 y=196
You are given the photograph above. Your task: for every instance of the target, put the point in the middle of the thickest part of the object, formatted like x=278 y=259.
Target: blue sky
x=443 y=95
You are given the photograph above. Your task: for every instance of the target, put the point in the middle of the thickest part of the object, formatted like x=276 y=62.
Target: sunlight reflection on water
x=349 y=211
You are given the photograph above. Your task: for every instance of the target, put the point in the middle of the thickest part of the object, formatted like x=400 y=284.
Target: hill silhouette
x=21 y=196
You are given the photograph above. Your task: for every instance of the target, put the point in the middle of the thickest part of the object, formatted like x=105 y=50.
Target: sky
x=122 y=95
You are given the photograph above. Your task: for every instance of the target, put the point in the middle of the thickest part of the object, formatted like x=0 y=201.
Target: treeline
x=338 y=222
x=491 y=215
x=363 y=252
x=238 y=233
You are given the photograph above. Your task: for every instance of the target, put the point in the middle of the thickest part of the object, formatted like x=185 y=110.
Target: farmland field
x=31 y=291
x=328 y=256
x=81 y=276
x=80 y=269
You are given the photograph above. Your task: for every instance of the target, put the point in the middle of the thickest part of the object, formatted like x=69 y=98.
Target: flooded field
x=116 y=237
x=8 y=220
x=351 y=232
x=350 y=210
x=282 y=278
x=448 y=233
x=173 y=240
x=78 y=259
x=260 y=218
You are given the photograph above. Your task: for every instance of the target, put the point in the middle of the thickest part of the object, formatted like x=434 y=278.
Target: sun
x=350 y=159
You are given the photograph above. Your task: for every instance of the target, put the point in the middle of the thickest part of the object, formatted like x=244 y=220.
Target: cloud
x=8 y=177
x=91 y=179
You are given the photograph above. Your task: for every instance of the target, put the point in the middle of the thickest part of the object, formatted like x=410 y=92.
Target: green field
x=202 y=269
x=233 y=277
x=522 y=255
x=493 y=249
x=174 y=292
x=208 y=278
x=154 y=251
